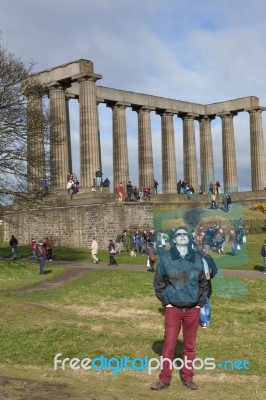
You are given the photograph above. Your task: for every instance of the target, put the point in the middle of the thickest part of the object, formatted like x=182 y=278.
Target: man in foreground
x=181 y=285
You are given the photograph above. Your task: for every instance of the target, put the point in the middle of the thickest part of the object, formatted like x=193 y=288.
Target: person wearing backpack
x=41 y=255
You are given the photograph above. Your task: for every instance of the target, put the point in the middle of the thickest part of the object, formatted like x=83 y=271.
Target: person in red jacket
x=120 y=192
x=32 y=245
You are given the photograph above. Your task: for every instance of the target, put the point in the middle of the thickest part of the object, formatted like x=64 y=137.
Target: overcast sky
x=203 y=51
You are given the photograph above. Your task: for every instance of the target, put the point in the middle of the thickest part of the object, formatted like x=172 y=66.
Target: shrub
x=260 y=207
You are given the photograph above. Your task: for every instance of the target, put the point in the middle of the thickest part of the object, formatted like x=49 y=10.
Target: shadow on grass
x=15 y=263
x=161 y=310
x=258 y=268
x=48 y=271
x=157 y=347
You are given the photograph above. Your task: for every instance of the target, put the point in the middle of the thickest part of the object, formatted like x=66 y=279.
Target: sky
x=202 y=51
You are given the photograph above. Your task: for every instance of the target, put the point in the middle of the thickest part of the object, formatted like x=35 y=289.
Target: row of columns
x=90 y=151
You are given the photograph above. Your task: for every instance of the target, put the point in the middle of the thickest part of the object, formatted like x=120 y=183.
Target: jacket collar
x=175 y=254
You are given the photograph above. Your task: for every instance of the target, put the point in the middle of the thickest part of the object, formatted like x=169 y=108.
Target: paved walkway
x=77 y=269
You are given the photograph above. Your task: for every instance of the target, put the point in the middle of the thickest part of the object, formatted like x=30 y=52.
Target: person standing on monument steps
x=155 y=184
x=120 y=192
x=99 y=177
x=181 y=285
x=129 y=190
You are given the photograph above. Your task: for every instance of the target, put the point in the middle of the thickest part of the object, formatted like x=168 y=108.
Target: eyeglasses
x=182 y=234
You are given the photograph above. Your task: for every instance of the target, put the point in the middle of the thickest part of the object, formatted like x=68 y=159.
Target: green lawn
x=115 y=314
x=17 y=274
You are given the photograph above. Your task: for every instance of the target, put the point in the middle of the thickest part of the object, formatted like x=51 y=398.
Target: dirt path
x=77 y=269
x=60 y=280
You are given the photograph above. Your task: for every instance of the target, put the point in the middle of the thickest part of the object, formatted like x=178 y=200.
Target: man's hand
x=169 y=305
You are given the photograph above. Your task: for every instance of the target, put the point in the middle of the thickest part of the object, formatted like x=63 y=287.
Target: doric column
x=258 y=174
x=189 y=151
x=35 y=143
x=146 y=172
x=206 y=153
x=229 y=153
x=89 y=131
x=168 y=153
x=99 y=137
x=68 y=136
x=120 y=148
x=60 y=135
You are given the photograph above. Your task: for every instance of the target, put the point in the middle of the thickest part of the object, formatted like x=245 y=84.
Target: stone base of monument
x=74 y=222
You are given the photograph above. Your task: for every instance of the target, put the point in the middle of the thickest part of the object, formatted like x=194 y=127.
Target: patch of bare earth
x=25 y=389
x=110 y=311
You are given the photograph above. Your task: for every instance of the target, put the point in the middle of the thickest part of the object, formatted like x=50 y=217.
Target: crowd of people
x=141 y=242
x=133 y=193
x=152 y=243
x=214 y=238
x=73 y=184
x=138 y=241
x=183 y=187
x=41 y=250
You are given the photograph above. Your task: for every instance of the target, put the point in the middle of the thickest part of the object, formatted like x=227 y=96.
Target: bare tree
x=24 y=134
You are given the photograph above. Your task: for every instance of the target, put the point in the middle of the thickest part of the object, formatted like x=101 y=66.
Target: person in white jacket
x=94 y=250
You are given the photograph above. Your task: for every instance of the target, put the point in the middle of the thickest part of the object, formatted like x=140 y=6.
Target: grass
x=63 y=253
x=18 y=274
x=115 y=313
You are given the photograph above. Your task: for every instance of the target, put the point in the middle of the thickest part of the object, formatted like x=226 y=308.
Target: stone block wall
x=75 y=225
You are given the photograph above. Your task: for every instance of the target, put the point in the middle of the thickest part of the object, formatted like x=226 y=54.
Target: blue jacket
x=263 y=250
x=181 y=281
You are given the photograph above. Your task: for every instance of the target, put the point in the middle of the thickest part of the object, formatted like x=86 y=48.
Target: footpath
x=76 y=270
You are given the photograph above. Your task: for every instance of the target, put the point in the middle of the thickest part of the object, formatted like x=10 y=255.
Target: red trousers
x=174 y=318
